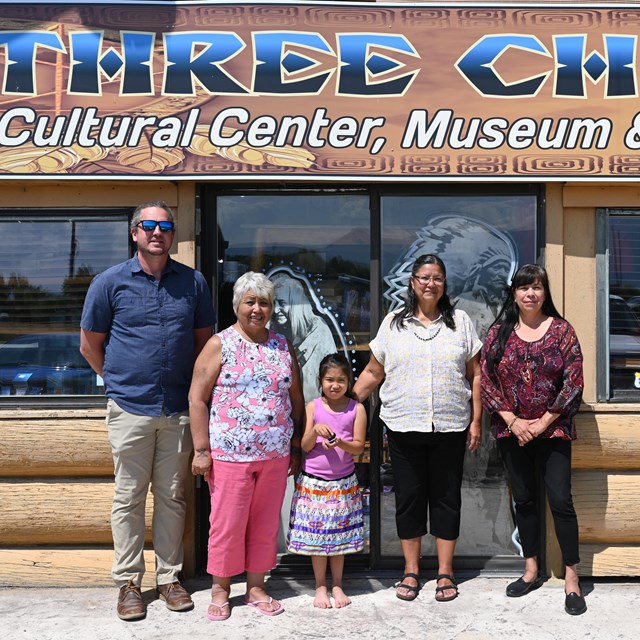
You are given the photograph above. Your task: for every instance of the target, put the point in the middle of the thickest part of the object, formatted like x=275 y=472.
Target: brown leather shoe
x=130 y=604
x=176 y=596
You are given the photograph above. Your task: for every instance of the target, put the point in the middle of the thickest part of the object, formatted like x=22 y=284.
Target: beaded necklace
x=429 y=337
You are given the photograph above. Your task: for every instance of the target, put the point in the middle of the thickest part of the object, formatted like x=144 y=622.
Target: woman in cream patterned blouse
x=428 y=355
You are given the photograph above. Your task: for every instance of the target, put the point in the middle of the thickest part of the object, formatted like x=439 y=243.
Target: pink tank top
x=330 y=464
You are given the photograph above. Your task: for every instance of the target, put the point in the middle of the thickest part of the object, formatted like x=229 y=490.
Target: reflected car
x=624 y=348
x=45 y=364
x=634 y=304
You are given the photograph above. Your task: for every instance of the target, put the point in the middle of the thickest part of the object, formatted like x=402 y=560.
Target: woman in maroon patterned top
x=532 y=388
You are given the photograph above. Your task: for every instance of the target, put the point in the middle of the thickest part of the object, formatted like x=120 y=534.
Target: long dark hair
x=509 y=314
x=338 y=361
x=410 y=305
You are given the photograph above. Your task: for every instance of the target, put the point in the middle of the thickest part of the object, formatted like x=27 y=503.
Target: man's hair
x=160 y=204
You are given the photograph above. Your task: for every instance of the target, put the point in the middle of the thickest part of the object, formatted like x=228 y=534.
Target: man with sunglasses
x=143 y=324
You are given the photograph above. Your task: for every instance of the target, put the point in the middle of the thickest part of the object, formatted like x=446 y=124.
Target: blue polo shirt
x=149 y=350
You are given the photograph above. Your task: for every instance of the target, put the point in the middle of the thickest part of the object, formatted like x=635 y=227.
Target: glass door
x=340 y=261
x=315 y=248
x=481 y=239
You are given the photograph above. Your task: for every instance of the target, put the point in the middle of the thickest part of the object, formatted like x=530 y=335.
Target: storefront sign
x=319 y=91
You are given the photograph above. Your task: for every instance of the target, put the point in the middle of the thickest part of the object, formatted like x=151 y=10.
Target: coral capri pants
x=246 y=498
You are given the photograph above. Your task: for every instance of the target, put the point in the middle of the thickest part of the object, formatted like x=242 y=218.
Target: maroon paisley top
x=535 y=377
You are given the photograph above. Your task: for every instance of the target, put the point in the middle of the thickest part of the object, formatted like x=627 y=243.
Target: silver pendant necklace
x=429 y=338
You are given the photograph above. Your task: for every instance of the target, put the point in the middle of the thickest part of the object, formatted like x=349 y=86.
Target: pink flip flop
x=265 y=612
x=219 y=616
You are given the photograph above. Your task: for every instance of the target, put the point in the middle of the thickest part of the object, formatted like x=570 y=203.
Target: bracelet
x=511 y=424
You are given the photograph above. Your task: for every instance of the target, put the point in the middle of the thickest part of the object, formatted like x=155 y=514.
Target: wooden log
x=54 y=447
x=109 y=194
x=578 y=282
x=190 y=533
x=607 y=441
x=607 y=505
x=15 y=416
x=609 y=560
x=68 y=567
x=58 y=512
x=600 y=195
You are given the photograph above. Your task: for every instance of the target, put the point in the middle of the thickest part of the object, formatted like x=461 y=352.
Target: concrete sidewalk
x=482 y=612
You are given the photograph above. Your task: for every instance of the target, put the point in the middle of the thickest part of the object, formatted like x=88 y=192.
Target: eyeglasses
x=427 y=279
x=150 y=225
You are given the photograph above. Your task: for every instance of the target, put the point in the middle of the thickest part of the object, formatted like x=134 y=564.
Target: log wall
x=56 y=488
x=606 y=462
x=606 y=456
x=56 y=470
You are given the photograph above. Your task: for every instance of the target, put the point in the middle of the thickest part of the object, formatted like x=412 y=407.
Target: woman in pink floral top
x=531 y=385
x=246 y=409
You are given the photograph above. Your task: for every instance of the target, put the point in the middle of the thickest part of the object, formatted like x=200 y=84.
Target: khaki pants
x=148 y=450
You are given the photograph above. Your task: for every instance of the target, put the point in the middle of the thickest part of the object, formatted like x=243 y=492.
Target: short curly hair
x=256 y=282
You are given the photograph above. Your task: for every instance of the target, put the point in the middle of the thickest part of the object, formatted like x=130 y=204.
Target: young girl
x=326 y=510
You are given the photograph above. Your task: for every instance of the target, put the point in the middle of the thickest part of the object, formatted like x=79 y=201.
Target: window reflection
x=300 y=315
x=624 y=306
x=316 y=250
x=482 y=240
x=46 y=266
x=45 y=364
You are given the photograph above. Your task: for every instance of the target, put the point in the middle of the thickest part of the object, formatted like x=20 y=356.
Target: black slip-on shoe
x=574 y=604
x=521 y=588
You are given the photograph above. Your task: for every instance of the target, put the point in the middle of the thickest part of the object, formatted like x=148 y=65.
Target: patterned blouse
x=425 y=386
x=535 y=377
x=250 y=418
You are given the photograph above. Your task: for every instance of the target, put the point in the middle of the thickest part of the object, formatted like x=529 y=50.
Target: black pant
x=549 y=459
x=427 y=469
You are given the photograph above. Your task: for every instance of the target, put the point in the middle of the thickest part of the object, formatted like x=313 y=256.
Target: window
x=315 y=248
x=349 y=250
x=482 y=239
x=46 y=265
x=622 y=243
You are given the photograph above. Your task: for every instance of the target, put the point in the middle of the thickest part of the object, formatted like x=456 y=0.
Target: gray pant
x=148 y=450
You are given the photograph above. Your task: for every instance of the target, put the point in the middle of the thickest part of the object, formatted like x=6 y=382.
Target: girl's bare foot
x=321 y=601
x=340 y=597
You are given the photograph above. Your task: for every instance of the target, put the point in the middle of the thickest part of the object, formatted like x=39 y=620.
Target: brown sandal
x=414 y=590
x=447 y=587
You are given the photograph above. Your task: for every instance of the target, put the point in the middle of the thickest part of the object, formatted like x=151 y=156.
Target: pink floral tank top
x=250 y=418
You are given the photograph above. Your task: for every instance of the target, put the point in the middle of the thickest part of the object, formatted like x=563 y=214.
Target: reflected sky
x=44 y=251
x=334 y=226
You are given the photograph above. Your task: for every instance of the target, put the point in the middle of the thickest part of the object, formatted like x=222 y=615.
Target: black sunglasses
x=150 y=225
